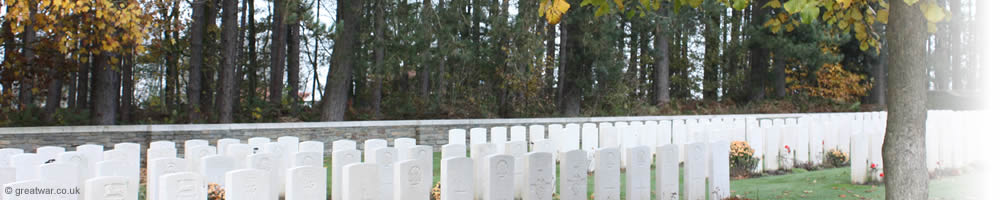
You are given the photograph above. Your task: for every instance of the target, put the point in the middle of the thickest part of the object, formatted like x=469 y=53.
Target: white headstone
x=159 y=144
x=160 y=152
x=5 y=155
x=480 y=153
x=573 y=175
x=859 y=160
x=608 y=137
x=453 y=150
x=239 y=153
x=518 y=133
x=7 y=175
x=538 y=182
x=410 y=178
x=358 y=182
x=402 y=146
x=719 y=170
x=26 y=165
x=536 y=133
x=456 y=136
x=114 y=168
x=94 y=153
x=477 y=136
x=182 y=186
x=306 y=183
x=194 y=154
x=667 y=169
x=214 y=168
x=257 y=143
x=63 y=173
x=110 y=187
x=607 y=175
x=648 y=134
x=266 y=162
x=289 y=144
x=499 y=174
x=308 y=158
x=425 y=157
x=694 y=171
x=637 y=174
x=158 y=167
x=80 y=163
x=385 y=160
x=517 y=149
x=344 y=145
x=664 y=133
x=311 y=146
x=498 y=137
x=456 y=183
x=49 y=152
x=249 y=184
x=223 y=144
x=188 y=144
x=570 y=138
x=370 y=147
x=338 y=160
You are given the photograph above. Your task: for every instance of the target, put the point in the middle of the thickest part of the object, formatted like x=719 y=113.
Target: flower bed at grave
x=741 y=160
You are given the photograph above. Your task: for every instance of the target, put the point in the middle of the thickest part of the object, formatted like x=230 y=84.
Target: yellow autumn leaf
x=932 y=12
x=883 y=16
x=553 y=10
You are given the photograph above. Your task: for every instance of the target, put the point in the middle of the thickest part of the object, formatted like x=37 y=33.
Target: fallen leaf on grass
x=843 y=196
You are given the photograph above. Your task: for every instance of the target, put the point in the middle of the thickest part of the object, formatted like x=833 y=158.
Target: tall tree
x=662 y=69
x=277 y=52
x=376 y=103
x=227 y=78
x=339 y=76
x=104 y=92
x=712 y=60
x=294 y=37
x=197 y=60
x=905 y=146
x=251 y=51
x=759 y=55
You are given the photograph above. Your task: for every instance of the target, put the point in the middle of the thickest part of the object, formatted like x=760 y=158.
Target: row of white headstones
x=261 y=168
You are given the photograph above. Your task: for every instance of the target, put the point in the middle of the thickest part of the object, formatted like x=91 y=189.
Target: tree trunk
x=83 y=86
x=227 y=78
x=294 y=65
x=710 y=80
x=662 y=69
x=212 y=49
x=759 y=55
x=577 y=66
x=563 y=59
x=252 y=51
x=54 y=96
x=128 y=87
x=197 y=59
x=104 y=92
x=377 y=71
x=958 y=48
x=277 y=53
x=905 y=147
x=779 y=74
x=339 y=77
x=28 y=51
x=71 y=91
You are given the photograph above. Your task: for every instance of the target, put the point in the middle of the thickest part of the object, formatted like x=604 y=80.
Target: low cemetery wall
x=426 y=132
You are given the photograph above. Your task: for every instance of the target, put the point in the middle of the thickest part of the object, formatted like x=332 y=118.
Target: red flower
x=873 y=166
x=786 y=146
x=881 y=175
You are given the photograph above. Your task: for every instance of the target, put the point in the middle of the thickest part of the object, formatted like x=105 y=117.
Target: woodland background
x=100 y=62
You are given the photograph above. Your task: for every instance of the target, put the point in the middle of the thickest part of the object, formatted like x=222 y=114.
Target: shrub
x=835 y=158
x=741 y=160
x=215 y=192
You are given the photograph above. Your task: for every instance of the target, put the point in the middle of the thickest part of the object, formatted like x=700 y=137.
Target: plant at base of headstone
x=741 y=160
x=215 y=192
x=436 y=192
x=875 y=175
x=835 y=158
